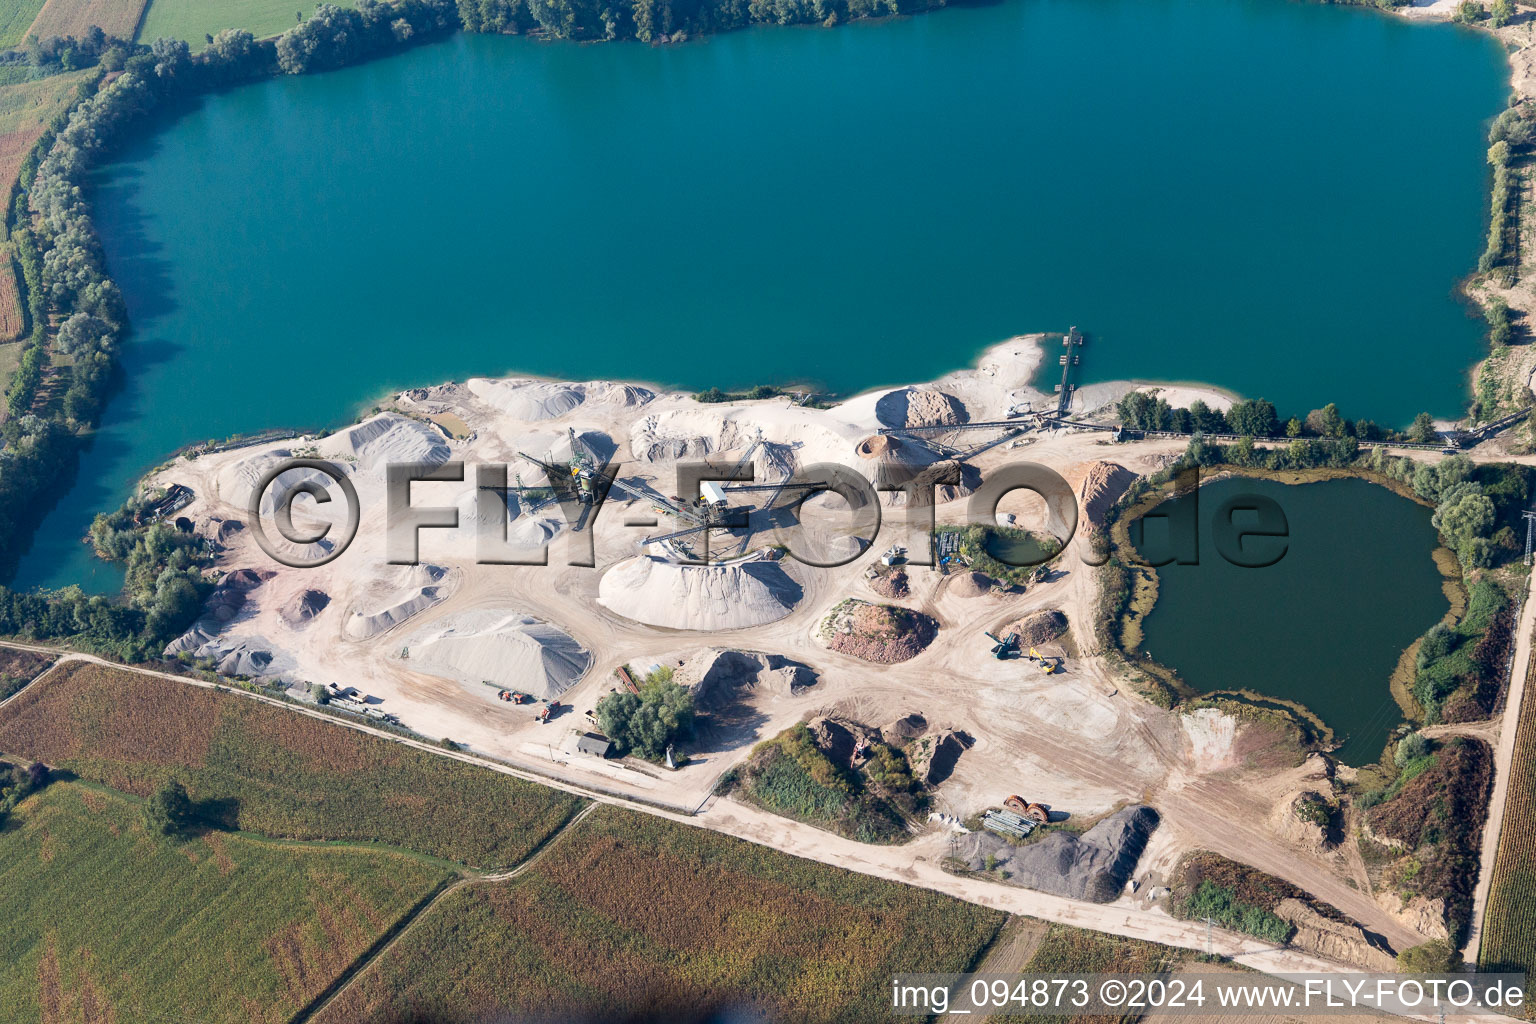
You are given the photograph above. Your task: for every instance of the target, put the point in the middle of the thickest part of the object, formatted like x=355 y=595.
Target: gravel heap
x=1038 y=627
x=1094 y=866
x=706 y=597
x=881 y=633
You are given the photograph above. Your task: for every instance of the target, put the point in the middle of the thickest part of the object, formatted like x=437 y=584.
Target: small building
x=591 y=743
x=712 y=493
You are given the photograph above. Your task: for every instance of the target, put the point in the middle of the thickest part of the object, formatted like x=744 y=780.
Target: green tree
x=169 y=811
x=1502 y=12
x=1436 y=956
x=1409 y=749
x=644 y=724
x=1254 y=417
x=1293 y=427
x=1423 y=429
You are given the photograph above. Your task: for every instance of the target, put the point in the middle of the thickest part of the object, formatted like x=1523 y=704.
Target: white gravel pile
x=392 y=600
x=387 y=438
x=507 y=649
x=526 y=400
x=236 y=482
x=704 y=597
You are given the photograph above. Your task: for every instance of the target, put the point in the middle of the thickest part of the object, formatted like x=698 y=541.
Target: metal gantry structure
x=581 y=478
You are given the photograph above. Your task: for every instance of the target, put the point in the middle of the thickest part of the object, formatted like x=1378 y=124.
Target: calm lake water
x=1324 y=625
x=1271 y=196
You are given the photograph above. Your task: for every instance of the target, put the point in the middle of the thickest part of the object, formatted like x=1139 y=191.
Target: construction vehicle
x=518 y=697
x=1050 y=664
x=544 y=714
x=1004 y=647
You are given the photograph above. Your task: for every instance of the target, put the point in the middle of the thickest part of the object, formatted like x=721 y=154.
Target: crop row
x=266 y=769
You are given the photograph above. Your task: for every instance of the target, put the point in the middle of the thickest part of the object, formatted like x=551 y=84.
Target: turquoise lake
x=1274 y=197
x=1353 y=585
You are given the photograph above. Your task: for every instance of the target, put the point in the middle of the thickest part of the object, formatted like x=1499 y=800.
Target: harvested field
x=74 y=17
x=1509 y=921
x=276 y=771
x=106 y=923
x=1066 y=950
x=719 y=923
x=881 y=633
x=25 y=110
x=18 y=668
x=12 y=320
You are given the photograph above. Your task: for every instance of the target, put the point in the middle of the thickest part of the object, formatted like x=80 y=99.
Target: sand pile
x=397 y=597
x=933 y=757
x=927 y=482
x=839 y=738
x=506 y=649
x=876 y=446
x=920 y=407
x=1102 y=487
x=1094 y=867
x=881 y=633
x=236 y=482
x=387 y=438
x=892 y=462
x=626 y=396
x=221 y=531
x=661 y=593
x=302 y=607
x=904 y=729
x=527 y=532
x=715 y=675
x=529 y=401
x=970 y=584
x=1344 y=943
x=702 y=431
x=893 y=584
x=1037 y=627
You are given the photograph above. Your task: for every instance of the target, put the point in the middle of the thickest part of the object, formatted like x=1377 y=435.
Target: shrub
x=169 y=810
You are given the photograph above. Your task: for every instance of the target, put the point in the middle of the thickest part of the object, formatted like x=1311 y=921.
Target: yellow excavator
x=1049 y=664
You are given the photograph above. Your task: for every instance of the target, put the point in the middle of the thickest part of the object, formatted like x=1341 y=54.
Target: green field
x=275 y=771
x=15 y=18
x=105 y=922
x=630 y=917
x=196 y=20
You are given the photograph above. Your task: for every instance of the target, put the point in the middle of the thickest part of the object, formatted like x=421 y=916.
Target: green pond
x=1275 y=197
x=1324 y=625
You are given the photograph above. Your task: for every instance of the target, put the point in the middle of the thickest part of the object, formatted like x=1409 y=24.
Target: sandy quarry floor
x=1075 y=741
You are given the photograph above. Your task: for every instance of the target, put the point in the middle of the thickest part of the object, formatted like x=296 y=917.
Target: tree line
x=65 y=279
x=1257 y=418
x=667 y=20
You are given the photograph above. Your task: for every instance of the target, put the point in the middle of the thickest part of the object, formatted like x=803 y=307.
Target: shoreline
x=1330 y=740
